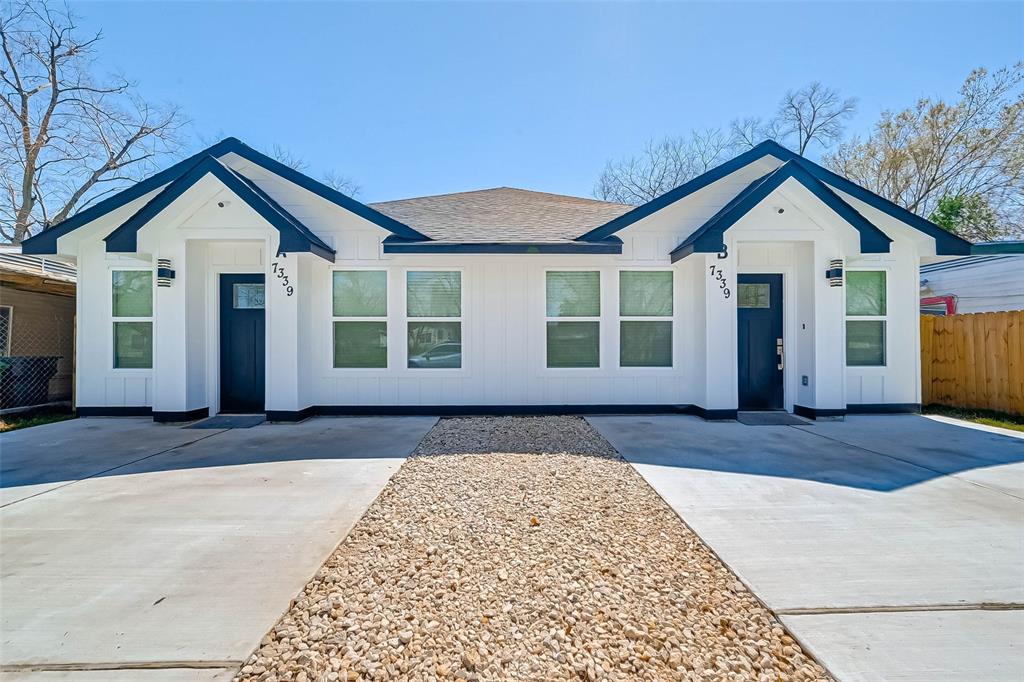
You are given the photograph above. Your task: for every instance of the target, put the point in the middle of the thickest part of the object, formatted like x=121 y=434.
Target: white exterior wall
x=900 y=380
x=503 y=341
x=97 y=383
x=503 y=310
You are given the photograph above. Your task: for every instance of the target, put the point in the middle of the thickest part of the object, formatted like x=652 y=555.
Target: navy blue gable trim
x=46 y=241
x=295 y=237
x=946 y=243
x=708 y=238
x=701 y=181
x=612 y=245
x=329 y=193
x=288 y=241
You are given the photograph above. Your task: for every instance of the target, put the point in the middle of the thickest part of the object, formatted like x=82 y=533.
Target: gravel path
x=524 y=567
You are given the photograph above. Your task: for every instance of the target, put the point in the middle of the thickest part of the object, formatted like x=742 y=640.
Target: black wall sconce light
x=834 y=274
x=164 y=273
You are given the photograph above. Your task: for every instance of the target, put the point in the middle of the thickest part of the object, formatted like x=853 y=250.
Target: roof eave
x=946 y=243
x=294 y=237
x=748 y=157
x=710 y=237
x=46 y=241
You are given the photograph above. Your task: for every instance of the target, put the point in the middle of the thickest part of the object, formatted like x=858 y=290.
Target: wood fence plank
x=959 y=358
x=992 y=361
x=971 y=356
x=980 y=367
x=1015 y=363
x=927 y=325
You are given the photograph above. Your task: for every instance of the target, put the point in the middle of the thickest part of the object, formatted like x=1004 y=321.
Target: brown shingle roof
x=502 y=214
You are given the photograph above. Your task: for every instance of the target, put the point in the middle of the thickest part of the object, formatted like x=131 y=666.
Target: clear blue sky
x=414 y=99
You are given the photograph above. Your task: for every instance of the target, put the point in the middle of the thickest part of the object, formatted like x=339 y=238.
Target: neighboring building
x=981 y=284
x=37 y=330
x=231 y=282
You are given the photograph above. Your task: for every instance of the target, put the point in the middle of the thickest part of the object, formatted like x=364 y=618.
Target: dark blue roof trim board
x=946 y=243
x=708 y=238
x=295 y=237
x=687 y=188
x=612 y=245
x=288 y=243
x=46 y=241
x=330 y=194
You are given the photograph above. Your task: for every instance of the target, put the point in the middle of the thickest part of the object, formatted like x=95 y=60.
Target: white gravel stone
x=546 y=558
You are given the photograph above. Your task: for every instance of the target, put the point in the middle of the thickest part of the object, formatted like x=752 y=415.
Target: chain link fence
x=36 y=349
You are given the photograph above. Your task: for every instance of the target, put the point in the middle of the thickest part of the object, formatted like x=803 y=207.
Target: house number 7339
x=717 y=275
x=282 y=277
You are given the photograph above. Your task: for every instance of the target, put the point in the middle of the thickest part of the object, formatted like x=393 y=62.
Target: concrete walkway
x=137 y=551
x=891 y=546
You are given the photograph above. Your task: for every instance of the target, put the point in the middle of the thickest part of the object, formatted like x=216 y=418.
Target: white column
x=170 y=339
x=721 y=391
x=282 y=326
x=829 y=332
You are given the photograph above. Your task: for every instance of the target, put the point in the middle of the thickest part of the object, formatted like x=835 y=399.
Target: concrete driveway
x=891 y=546
x=138 y=551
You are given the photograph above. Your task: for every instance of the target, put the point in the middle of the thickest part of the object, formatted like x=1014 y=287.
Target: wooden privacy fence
x=974 y=360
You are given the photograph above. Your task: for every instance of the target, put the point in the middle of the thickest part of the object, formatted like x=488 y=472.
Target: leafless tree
x=970 y=150
x=813 y=114
x=752 y=130
x=67 y=139
x=341 y=183
x=661 y=166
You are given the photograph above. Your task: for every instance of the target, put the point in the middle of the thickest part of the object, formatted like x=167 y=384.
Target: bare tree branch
x=63 y=133
x=662 y=166
x=342 y=183
x=814 y=113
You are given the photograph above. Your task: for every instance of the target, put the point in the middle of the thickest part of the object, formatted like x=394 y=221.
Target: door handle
x=778 y=349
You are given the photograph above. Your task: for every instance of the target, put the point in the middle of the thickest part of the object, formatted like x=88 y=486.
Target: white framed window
x=6 y=329
x=866 y=317
x=359 y=310
x=572 y=300
x=646 y=309
x=433 y=311
x=132 y=313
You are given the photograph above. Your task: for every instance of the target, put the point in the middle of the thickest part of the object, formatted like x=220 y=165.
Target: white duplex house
x=230 y=282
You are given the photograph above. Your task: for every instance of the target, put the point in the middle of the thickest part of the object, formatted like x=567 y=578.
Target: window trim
x=599 y=318
x=619 y=318
x=867 y=318
x=386 y=318
x=113 y=319
x=407 y=319
x=6 y=349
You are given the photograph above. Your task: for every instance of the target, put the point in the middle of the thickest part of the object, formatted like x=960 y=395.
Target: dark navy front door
x=242 y=341
x=759 y=334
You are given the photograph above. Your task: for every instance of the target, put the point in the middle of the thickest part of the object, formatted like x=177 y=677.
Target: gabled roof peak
x=294 y=236
x=946 y=243
x=46 y=241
